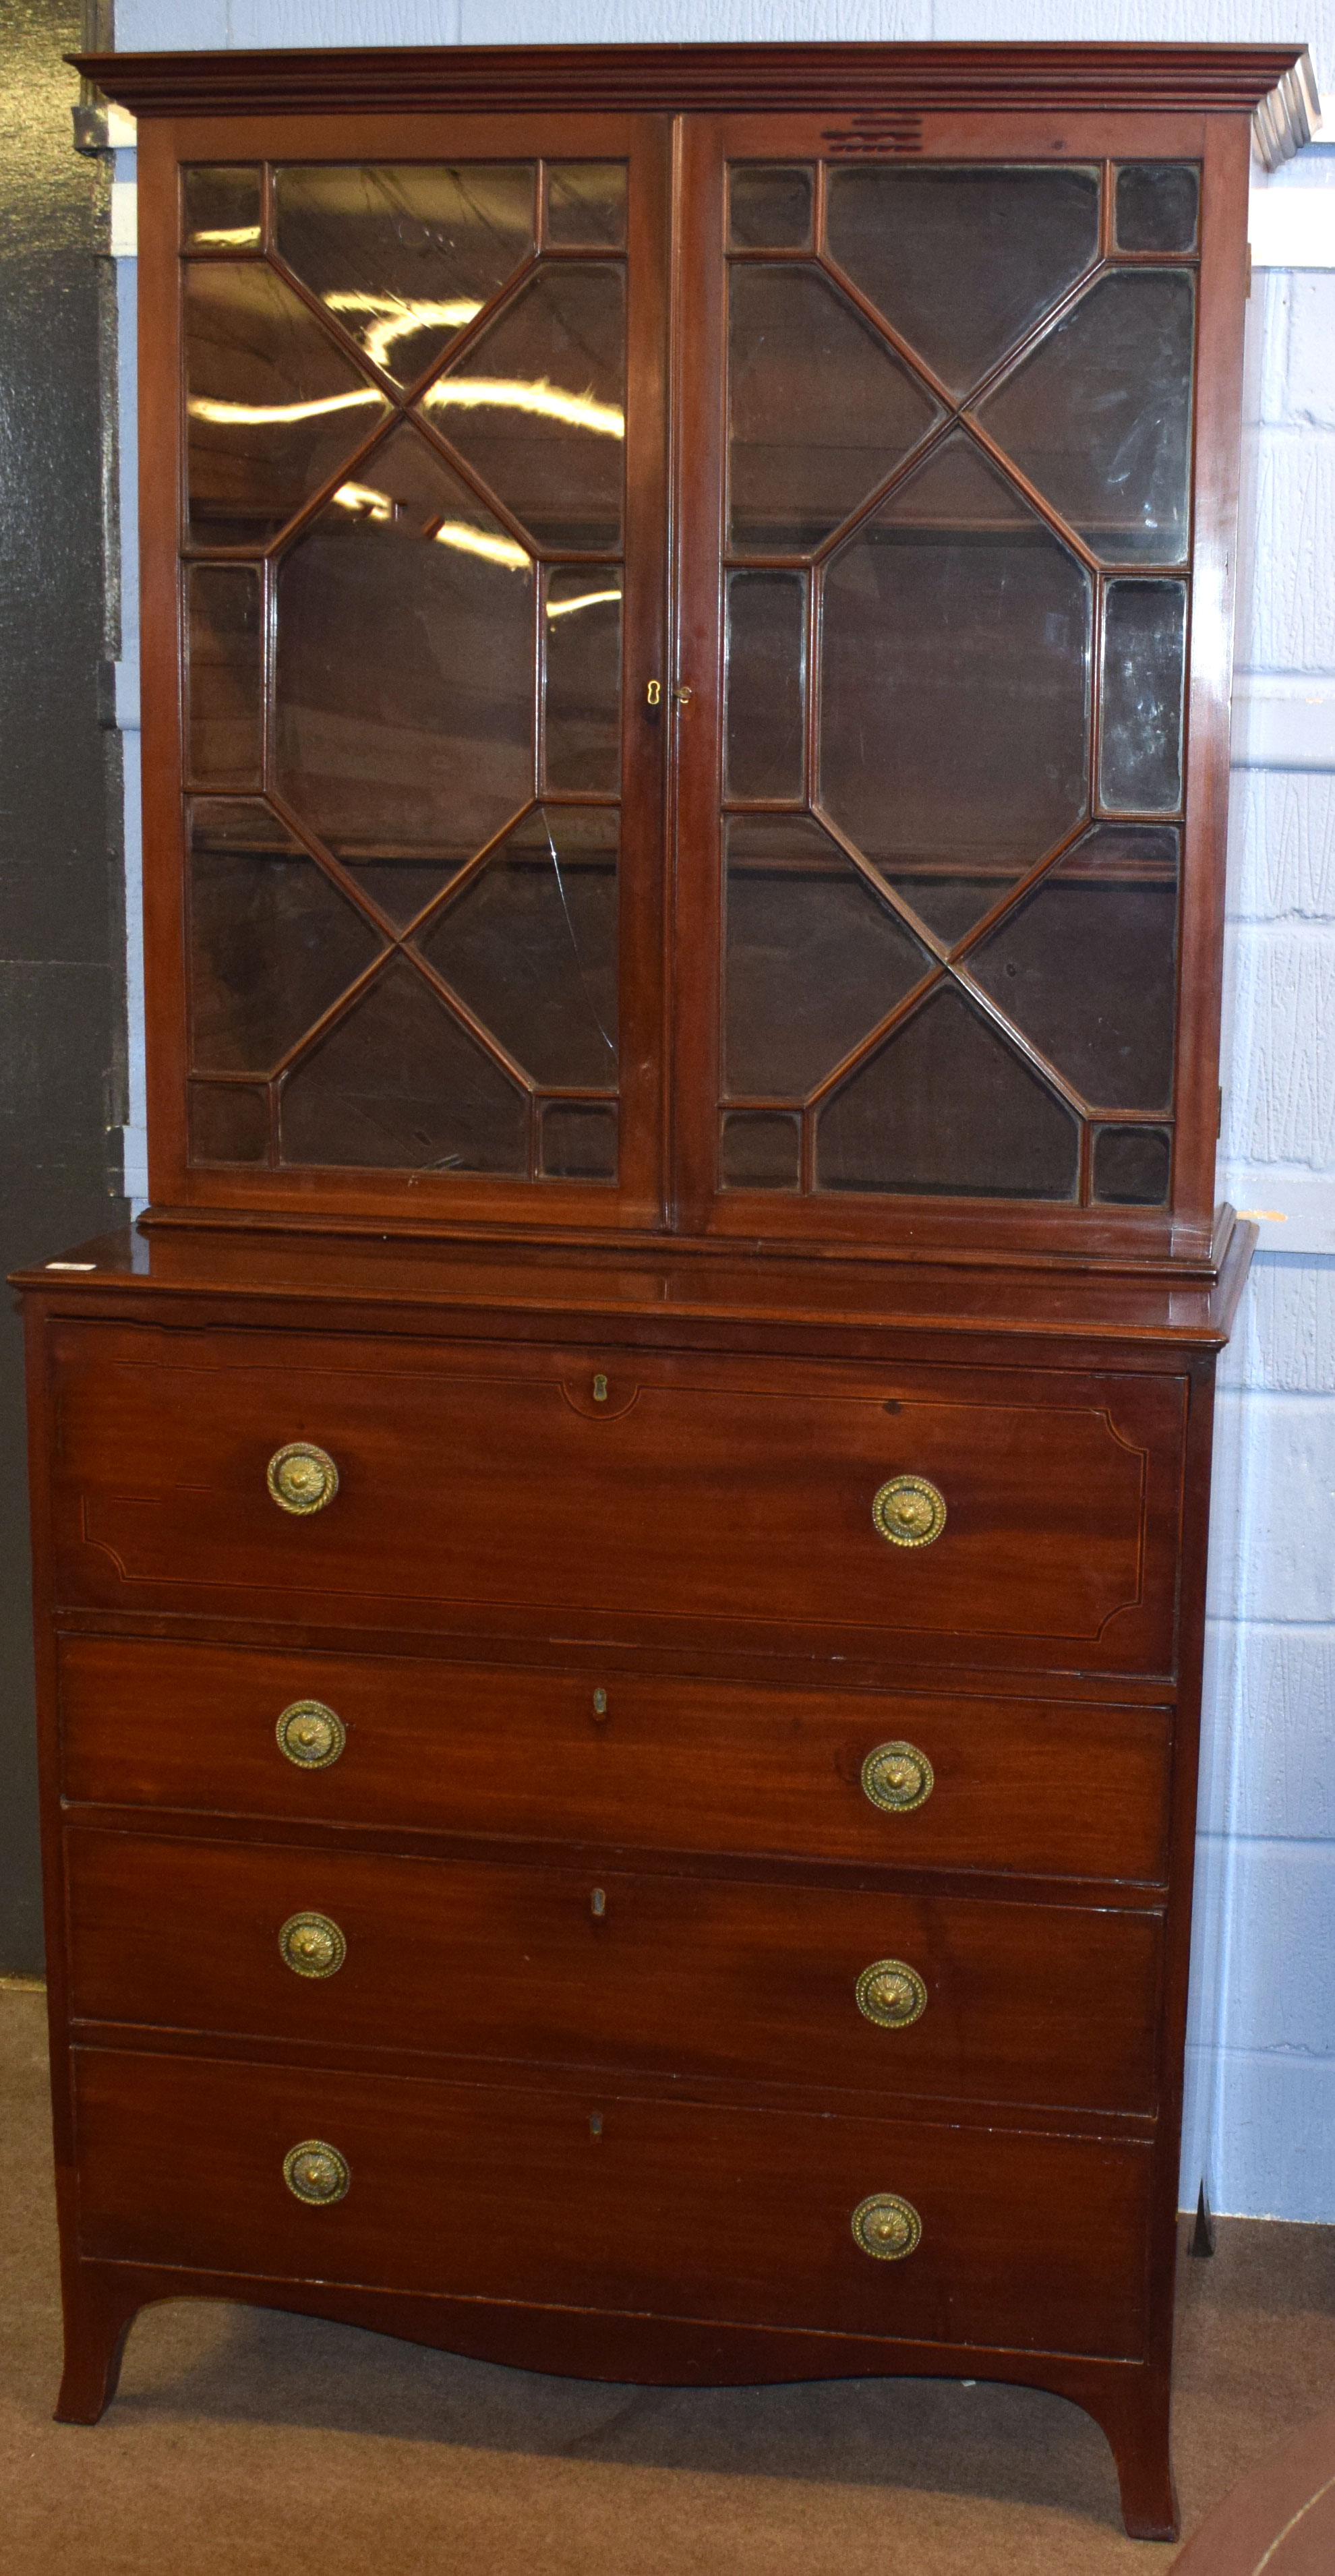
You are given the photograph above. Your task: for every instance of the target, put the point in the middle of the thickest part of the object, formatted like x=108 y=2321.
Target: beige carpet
x=279 y=2445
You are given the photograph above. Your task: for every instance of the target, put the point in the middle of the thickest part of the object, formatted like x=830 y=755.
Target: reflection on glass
x=223 y=619
x=769 y=209
x=220 y=207
x=582 y=698
x=963 y=262
x=229 y=1123
x=766 y=667
x=1144 y=649
x=272 y=945
x=538 y=404
x=814 y=961
x=947 y=1110
x=586 y=204
x=405 y=256
x=531 y=945
x=1132 y=1166
x=1157 y=205
x=398 y=1085
x=1099 y=418
x=579 y=1141
x=820 y=408
x=272 y=404
x=1086 y=966
x=761 y=1149
x=955 y=608
x=405 y=674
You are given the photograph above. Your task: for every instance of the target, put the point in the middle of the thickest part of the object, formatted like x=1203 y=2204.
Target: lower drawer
x=578 y=2200
x=743 y=1981
x=715 y=1766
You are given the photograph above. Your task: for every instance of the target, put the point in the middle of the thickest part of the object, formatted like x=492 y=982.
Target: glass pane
x=1086 y=966
x=586 y=204
x=405 y=256
x=814 y=960
x=228 y=1123
x=579 y=1141
x=272 y=945
x=221 y=208
x=766 y=668
x=1132 y=1166
x=821 y=409
x=225 y=732
x=1099 y=418
x=761 y=1150
x=273 y=404
x=405 y=674
x=538 y=405
x=956 y=607
x=531 y=945
x=963 y=262
x=1144 y=648
x=582 y=736
x=1157 y=203
x=946 y=1110
x=769 y=209
x=398 y=1085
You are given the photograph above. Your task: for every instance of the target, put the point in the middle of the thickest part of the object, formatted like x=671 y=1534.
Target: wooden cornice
x=1272 y=82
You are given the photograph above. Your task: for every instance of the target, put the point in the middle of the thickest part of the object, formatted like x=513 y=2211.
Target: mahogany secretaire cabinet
x=621 y=1554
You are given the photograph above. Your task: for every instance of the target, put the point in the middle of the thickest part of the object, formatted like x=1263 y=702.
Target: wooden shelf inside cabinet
x=659 y=1418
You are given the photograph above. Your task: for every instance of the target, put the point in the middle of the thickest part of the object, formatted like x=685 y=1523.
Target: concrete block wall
x=1261 y=2070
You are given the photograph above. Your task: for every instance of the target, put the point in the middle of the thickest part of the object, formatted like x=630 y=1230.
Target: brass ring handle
x=891 y=1994
x=316 y=2172
x=897 y=1777
x=311 y=1945
x=909 y=1512
x=302 y=1478
x=310 y=1734
x=886 y=2226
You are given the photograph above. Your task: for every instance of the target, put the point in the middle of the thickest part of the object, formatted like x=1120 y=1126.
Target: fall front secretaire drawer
x=997 y=1516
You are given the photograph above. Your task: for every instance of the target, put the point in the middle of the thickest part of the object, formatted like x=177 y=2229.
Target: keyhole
x=600 y=1703
x=598 y=1904
x=596 y=2127
x=600 y=1389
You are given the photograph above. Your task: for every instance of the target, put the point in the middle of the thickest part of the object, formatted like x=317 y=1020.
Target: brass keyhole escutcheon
x=310 y=1734
x=316 y=2172
x=600 y=1389
x=302 y=1478
x=311 y=1945
x=897 y=1777
x=909 y=1512
x=891 y=1994
x=886 y=2226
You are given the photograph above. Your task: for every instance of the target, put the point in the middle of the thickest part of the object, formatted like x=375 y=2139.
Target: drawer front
x=1061 y=1789
x=489 y=2192
x=682 y=1977
x=698 y=1497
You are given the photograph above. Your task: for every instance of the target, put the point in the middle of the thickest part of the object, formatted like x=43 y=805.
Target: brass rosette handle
x=316 y=2173
x=311 y=1945
x=897 y=1777
x=886 y=2226
x=302 y=1478
x=891 y=1994
x=310 y=1734
x=909 y=1512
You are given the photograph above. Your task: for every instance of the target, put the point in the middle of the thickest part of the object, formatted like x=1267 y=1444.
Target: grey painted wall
x=61 y=922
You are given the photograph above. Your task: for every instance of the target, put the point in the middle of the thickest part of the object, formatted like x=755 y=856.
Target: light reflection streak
x=587 y=599
x=466 y=540
x=503 y=393
x=398 y=317
x=227 y=237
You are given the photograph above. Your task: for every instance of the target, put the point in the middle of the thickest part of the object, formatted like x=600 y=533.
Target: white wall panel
x=1275 y=2121
x=1273 y=1557
x=1286 y=598
x=1269 y=1767
x=1281 y=850
x=689 y=22
x=1284 y=1340
x=1279 y=1091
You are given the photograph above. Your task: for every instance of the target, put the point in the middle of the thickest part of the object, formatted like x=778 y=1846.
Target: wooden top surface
x=679 y=1284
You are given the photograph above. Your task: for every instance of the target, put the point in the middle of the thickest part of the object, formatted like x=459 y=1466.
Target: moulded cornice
x=1274 y=83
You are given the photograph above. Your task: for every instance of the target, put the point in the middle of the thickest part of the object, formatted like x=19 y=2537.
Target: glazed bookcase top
x=699 y=707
